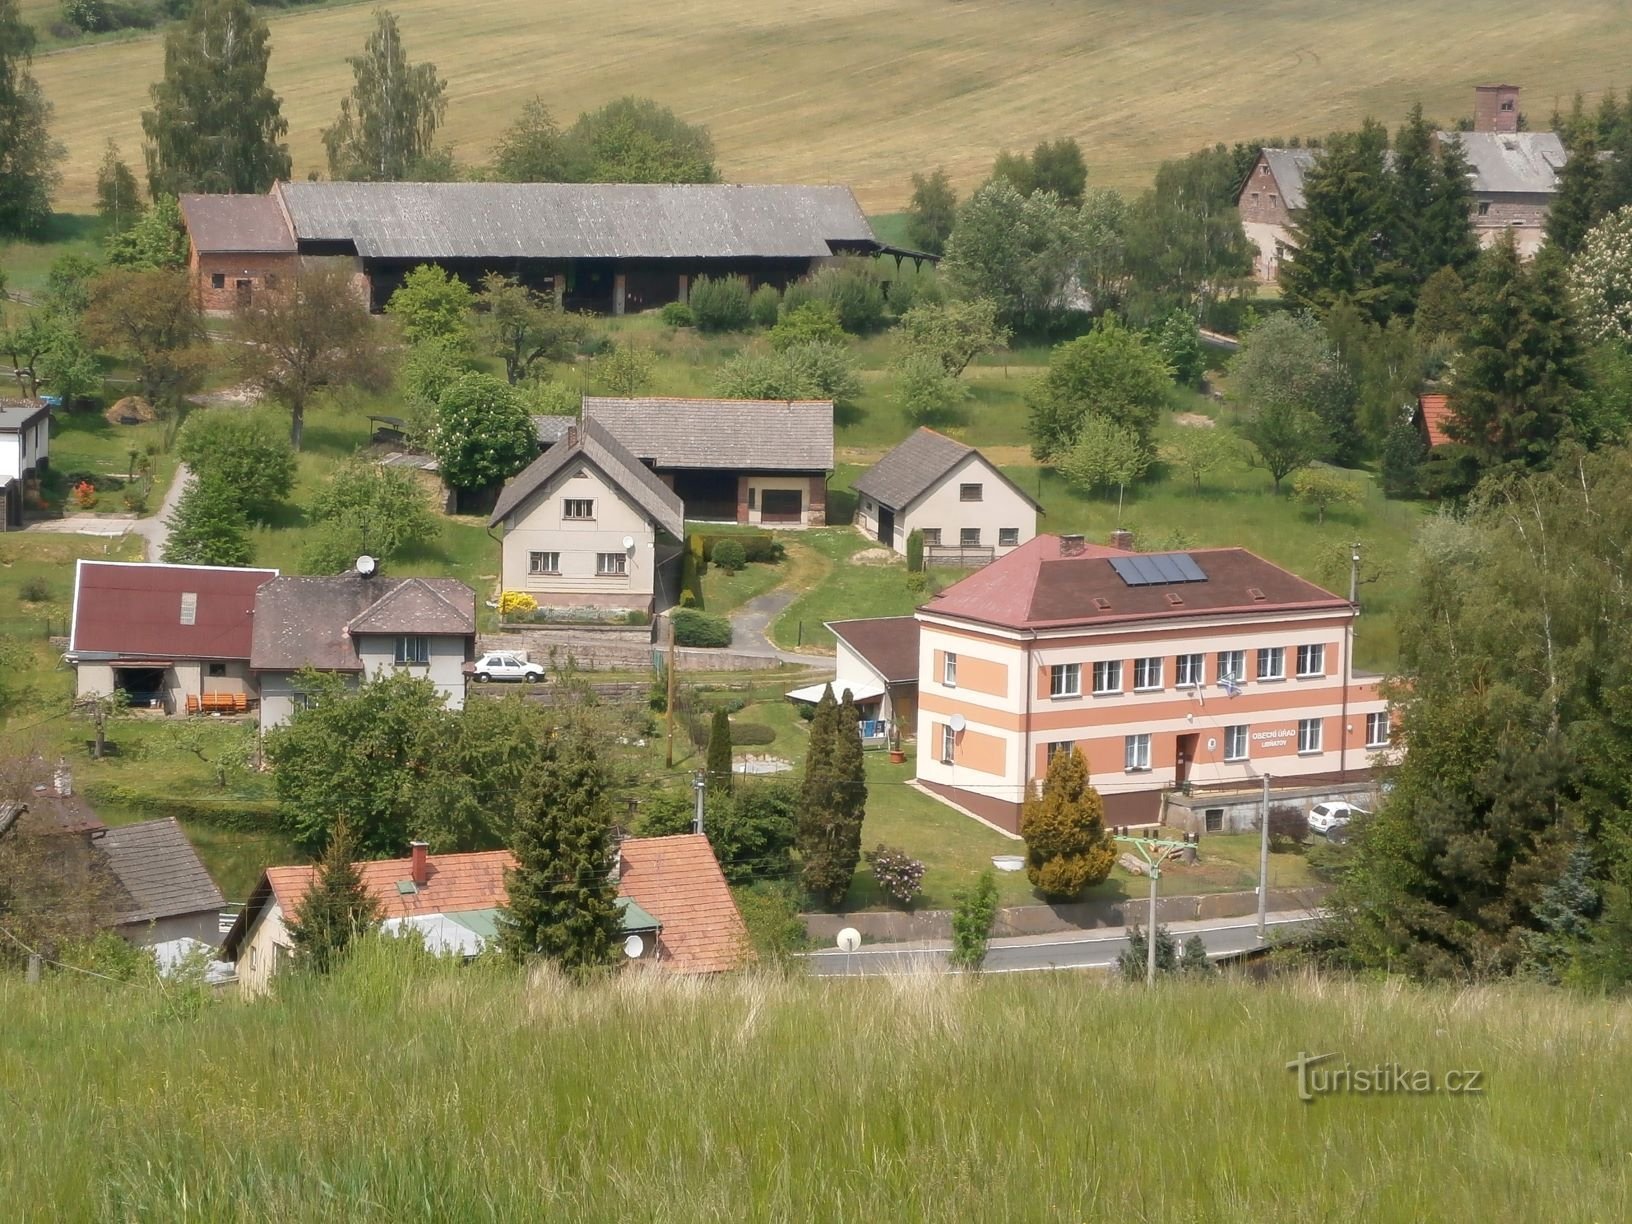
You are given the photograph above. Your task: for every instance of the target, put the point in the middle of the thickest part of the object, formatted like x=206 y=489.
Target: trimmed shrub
x=729 y=555
x=758 y=547
x=899 y=874
x=720 y=304
x=855 y=293
x=812 y=322
x=694 y=628
x=765 y=305
x=678 y=314
x=34 y=590
x=915 y=551
x=1288 y=829
x=752 y=733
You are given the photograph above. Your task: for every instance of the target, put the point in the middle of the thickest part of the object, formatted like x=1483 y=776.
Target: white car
x=506 y=665
x=1324 y=817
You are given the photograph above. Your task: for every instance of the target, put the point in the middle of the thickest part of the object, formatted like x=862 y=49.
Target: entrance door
x=1184 y=755
x=886 y=527
x=781 y=506
x=244 y=289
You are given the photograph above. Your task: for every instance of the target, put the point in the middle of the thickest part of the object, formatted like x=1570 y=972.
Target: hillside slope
x=866 y=91
x=407 y=1091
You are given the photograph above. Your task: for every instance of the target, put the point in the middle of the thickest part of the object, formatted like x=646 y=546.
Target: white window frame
x=1189 y=670
x=1236 y=742
x=410 y=647
x=949 y=744
x=1311 y=660
x=1311 y=736
x=538 y=562
x=1053 y=749
x=1148 y=664
x=1110 y=672
x=949 y=669
x=1275 y=654
x=1008 y=537
x=568 y=503
x=1383 y=719
x=1136 y=753
x=1232 y=665
x=611 y=565
x=1065 y=680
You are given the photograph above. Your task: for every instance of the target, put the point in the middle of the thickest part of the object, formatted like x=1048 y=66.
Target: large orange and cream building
x=1207 y=668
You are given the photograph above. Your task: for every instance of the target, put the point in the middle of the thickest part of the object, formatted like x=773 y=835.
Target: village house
x=25 y=453
x=968 y=511
x=678 y=912
x=877 y=664
x=610 y=248
x=586 y=524
x=1167 y=670
x=764 y=462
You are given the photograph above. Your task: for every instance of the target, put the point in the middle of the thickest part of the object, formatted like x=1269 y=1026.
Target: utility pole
x=1263 y=861
x=668 y=704
x=1155 y=851
x=699 y=792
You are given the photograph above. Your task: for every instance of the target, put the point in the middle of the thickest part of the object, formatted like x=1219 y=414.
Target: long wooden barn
x=603 y=247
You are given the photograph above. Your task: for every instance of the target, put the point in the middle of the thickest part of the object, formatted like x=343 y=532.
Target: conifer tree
x=208 y=526
x=719 y=754
x=823 y=869
x=850 y=767
x=1448 y=231
x=1063 y=823
x=1415 y=182
x=561 y=897
x=1441 y=309
x=336 y=908
x=1578 y=203
x=1342 y=231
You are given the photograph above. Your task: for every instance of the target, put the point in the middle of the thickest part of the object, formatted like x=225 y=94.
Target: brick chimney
x=1071 y=545
x=1495 y=108
x=1122 y=538
x=419 y=864
x=572 y=436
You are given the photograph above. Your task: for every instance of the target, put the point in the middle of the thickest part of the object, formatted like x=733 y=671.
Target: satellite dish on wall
x=959 y=722
x=634 y=946
x=628 y=543
x=849 y=939
x=366 y=565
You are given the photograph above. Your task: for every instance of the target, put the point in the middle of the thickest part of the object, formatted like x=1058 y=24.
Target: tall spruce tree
x=336 y=909
x=561 y=899
x=387 y=124
x=1343 y=230
x=1448 y=231
x=719 y=754
x=850 y=766
x=1578 y=203
x=1520 y=362
x=28 y=155
x=1432 y=206
x=215 y=125
x=822 y=871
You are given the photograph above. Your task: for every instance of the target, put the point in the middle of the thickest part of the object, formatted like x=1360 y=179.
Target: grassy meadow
x=402 y=1089
x=866 y=91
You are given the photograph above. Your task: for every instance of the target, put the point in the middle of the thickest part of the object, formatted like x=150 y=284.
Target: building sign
x=1274 y=741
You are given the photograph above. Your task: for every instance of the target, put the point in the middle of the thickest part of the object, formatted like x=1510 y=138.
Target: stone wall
x=1240 y=809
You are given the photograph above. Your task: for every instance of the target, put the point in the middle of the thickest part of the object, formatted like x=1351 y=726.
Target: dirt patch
x=132 y=410
x=1194 y=420
x=874 y=556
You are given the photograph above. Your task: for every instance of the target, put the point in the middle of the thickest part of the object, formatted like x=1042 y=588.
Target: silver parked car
x=1324 y=817
x=506 y=665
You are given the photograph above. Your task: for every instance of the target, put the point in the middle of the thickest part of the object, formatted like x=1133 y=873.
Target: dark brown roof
x=595 y=445
x=309 y=622
x=158 y=871
x=917 y=465
x=1039 y=586
x=135 y=611
x=721 y=434
x=227 y=224
x=889 y=644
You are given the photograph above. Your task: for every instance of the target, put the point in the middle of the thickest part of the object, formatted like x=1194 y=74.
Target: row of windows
x=218 y=280
x=1189 y=670
x=607 y=565
x=1311 y=739
x=970 y=537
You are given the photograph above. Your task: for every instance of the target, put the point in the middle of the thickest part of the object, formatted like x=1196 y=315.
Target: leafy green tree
x=953 y=333
x=1341 y=232
x=1284 y=437
x=1111 y=372
x=366 y=509
x=805 y=371
x=635 y=140
x=1440 y=309
x=719 y=753
x=28 y=156
x=1058 y=166
x=432 y=304
x=244 y=451
x=1601 y=281
x=483 y=433
x=118 y=199
x=972 y=919
x=1290 y=360
x=626 y=369
x=156 y=239
x=312 y=335
x=1577 y=204
x=808 y=323
x=1185 y=244
x=336 y=909
x=928 y=395
x=149 y=319
x=466 y=799
x=1021 y=251
x=215 y=125
x=1178 y=339
x=1063 y=824
x=751 y=828
x=1105 y=455
x=388 y=123
x=523 y=328
x=531 y=150
x=208 y=526
x=1386 y=365
x=1198 y=451
x=854 y=292
x=932 y=212
x=561 y=901
x=46 y=350
x=1322 y=489
x=720 y=303
x=429 y=369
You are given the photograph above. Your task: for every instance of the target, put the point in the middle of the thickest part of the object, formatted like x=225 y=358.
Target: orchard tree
x=483 y=433
x=208 y=526
x=953 y=333
x=928 y=395
x=244 y=450
x=1321 y=489
x=932 y=212
x=1199 y=450
x=625 y=369
x=150 y=319
x=1290 y=360
x=215 y=125
x=28 y=155
x=523 y=328
x=118 y=199
x=432 y=304
x=336 y=908
x=1105 y=455
x=531 y=150
x=1063 y=824
x=1111 y=372
x=311 y=335
x=366 y=509
x=1284 y=437
x=636 y=140
x=386 y=126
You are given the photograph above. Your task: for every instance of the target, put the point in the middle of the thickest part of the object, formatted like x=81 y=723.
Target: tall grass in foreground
x=406 y=1090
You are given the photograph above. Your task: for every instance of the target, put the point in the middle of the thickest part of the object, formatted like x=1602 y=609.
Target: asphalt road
x=1032 y=953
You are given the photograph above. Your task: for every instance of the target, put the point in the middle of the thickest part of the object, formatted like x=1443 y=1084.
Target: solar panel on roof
x=1157 y=569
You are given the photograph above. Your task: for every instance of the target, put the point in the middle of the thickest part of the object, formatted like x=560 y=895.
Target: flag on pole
x=1231 y=686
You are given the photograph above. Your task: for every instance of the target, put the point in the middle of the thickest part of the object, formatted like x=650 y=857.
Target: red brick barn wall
x=262 y=271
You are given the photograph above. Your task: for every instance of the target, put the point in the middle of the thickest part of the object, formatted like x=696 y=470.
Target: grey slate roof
x=917 y=465
x=158 y=871
x=577 y=220
x=236 y=223
x=596 y=445
x=1507 y=163
x=552 y=429
x=1289 y=166
x=16 y=414
x=309 y=621
x=721 y=434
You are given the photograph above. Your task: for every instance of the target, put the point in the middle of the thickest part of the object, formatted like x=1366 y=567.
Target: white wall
x=943 y=507
x=21 y=449
x=11 y=463
x=378 y=652
x=537 y=525
x=757 y=486
x=262 y=951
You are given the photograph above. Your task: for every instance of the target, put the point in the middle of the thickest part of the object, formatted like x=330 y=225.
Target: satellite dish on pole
x=849 y=939
x=628 y=543
x=366 y=565
x=634 y=946
x=959 y=722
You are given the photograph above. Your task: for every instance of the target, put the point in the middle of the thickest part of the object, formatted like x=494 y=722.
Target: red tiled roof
x=457 y=884
x=1436 y=412
x=1039 y=586
x=135 y=610
x=678 y=881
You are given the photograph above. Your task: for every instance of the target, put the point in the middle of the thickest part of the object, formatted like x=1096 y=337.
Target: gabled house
x=163 y=891
x=1272 y=193
x=968 y=511
x=359 y=625
x=169 y=637
x=877 y=663
x=25 y=452
x=678 y=913
x=586 y=524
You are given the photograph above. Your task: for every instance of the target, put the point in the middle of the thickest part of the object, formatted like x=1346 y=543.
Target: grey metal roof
x=158 y=871
x=917 y=465
x=721 y=434
x=1289 y=166
x=576 y=220
x=309 y=621
x=1507 y=163
x=20 y=413
x=596 y=445
x=237 y=223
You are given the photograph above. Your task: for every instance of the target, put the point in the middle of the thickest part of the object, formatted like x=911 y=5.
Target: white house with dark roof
x=162 y=891
x=968 y=510
x=25 y=452
x=586 y=524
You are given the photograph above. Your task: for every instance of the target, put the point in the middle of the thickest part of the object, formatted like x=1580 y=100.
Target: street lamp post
x=1155 y=851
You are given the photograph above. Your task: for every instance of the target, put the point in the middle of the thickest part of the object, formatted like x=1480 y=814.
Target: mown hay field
x=866 y=91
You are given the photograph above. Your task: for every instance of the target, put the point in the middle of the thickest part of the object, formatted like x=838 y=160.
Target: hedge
x=227 y=812
x=757 y=546
x=752 y=733
x=694 y=628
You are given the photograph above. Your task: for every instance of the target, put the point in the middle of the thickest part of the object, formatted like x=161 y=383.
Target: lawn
x=867 y=91
x=834 y=588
